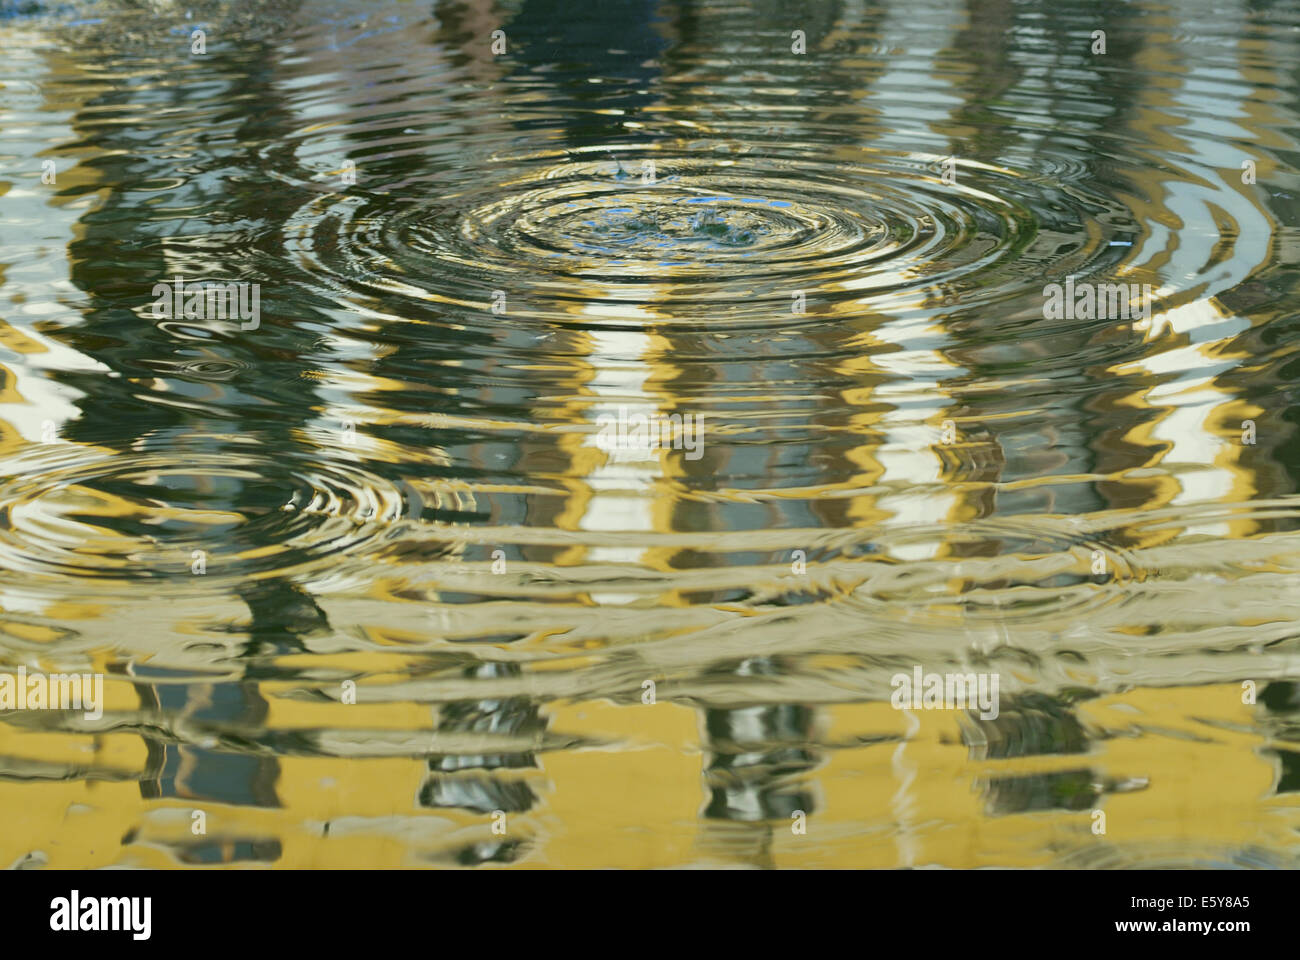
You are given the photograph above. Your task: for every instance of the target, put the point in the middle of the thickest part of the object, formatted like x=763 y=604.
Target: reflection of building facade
x=952 y=791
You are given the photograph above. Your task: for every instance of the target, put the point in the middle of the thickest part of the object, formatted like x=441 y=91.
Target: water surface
x=836 y=258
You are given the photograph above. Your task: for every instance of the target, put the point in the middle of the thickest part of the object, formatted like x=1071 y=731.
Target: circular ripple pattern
x=141 y=516
x=716 y=240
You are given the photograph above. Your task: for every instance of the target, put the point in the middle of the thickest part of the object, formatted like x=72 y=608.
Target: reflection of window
x=218 y=774
x=470 y=781
x=206 y=774
x=758 y=757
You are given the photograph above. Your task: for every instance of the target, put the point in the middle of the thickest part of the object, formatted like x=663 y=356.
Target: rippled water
x=393 y=488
